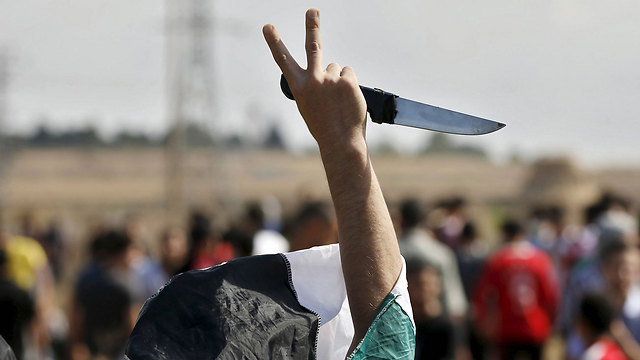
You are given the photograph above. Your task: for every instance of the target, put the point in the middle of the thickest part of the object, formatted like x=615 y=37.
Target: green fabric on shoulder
x=390 y=336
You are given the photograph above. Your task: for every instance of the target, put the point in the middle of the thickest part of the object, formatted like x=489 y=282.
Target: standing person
x=28 y=267
x=614 y=272
x=516 y=298
x=16 y=310
x=416 y=242
x=472 y=256
x=452 y=225
x=434 y=330
x=313 y=225
x=335 y=111
x=174 y=251
x=351 y=298
x=595 y=318
x=149 y=273
x=104 y=302
x=265 y=241
x=623 y=290
x=207 y=247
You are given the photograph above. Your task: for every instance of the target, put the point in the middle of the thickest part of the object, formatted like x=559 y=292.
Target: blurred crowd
x=542 y=281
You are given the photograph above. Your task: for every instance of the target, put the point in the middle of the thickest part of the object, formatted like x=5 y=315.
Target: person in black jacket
x=16 y=313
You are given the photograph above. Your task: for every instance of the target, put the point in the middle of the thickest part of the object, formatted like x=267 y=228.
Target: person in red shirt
x=516 y=297
x=207 y=248
x=594 y=320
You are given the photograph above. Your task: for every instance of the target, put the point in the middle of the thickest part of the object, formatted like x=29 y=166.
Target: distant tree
x=133 y=140
x=86 y=137
x=197 y=136
x=469 y=150
x=9 y=143
x=194 y=136
x=441 y=144
x=274 y=140
x=234 y=142
x=42 y=137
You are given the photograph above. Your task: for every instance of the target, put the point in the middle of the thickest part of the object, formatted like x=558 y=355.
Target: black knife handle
x=381 y=105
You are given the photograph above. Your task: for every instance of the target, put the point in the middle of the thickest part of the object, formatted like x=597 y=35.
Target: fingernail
x=314 y=14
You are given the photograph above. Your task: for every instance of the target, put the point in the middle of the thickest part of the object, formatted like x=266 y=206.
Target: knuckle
x=313 y=26
x=313 y=46
x=347 y=70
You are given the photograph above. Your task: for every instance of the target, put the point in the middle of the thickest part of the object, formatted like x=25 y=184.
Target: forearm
x=371 y=259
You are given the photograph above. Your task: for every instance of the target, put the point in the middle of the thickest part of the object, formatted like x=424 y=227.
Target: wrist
x=344 y=150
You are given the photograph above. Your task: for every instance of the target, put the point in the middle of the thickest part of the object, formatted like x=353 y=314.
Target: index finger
x=281 y=55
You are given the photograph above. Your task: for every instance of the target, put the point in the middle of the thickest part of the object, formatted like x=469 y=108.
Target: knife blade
x=385 y=107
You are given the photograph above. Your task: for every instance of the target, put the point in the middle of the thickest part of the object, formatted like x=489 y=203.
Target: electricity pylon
x=189 y=94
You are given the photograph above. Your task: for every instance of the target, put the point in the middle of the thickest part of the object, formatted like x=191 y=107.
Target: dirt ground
x=95 y=183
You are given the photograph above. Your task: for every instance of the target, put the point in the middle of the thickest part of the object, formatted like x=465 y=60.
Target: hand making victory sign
x=321 y=94
x=334 y=110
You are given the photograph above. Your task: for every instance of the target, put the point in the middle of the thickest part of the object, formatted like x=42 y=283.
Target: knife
x=385 y=107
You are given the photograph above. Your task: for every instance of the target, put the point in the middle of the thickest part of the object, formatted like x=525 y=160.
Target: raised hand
x=328 y=99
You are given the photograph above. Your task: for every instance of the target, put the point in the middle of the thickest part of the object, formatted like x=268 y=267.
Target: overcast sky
x=564 y=75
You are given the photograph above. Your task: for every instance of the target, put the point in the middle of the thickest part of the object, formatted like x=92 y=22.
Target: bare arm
x=334 y=110
x=368 y=247
x=625 y=340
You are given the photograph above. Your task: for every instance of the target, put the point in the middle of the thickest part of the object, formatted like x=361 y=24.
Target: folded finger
x=348 y=72
x=334 y=70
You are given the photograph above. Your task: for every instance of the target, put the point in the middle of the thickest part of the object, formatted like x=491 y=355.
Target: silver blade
x=423 y=116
